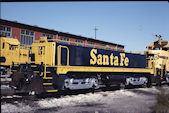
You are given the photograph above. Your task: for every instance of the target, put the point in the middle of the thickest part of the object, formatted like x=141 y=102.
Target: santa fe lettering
x=112 y=60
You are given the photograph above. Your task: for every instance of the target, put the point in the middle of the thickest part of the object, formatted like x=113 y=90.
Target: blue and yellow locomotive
x=53 y=67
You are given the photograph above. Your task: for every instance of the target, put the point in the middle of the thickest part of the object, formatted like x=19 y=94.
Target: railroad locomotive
x=157 y=55
x=53 y=67
x=11 y=51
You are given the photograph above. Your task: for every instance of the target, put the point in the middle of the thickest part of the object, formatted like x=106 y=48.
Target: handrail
x=59 y=55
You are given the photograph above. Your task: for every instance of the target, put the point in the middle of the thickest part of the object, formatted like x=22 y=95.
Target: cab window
x=3 y=45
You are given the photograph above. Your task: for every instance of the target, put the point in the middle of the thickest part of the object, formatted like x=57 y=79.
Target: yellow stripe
x=33 y=66
x=47 y=83
x=66 y=69
x=52 y=90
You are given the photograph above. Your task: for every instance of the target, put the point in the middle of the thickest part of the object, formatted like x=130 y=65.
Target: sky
x=131 y=23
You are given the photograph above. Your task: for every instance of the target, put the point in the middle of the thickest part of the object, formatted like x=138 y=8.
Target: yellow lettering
x=126 y=62
x=105 y=60
x=122 y=56
x=99 y=60
x=116 y=61
x=93 y=56
x=111 y=59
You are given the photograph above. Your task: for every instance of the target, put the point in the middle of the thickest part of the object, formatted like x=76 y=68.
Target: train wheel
x=36 y=85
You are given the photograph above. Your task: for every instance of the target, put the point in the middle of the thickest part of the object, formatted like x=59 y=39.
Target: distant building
x=26 y=34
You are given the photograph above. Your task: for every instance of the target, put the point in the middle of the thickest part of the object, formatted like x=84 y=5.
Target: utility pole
x=95 y=29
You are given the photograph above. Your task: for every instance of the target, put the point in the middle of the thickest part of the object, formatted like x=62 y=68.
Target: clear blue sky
x=128 y=23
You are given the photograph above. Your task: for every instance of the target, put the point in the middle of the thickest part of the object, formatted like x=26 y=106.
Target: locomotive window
x=3 y=45
x=150 y=48
x=157 y=49
x=12 y=47
x=41 y=50
x=165 y=49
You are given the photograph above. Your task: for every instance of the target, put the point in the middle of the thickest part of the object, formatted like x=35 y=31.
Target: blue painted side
x=80 y=56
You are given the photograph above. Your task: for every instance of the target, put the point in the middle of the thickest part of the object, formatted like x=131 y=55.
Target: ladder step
x=49 y=88
x=47 y=83
x=154 y=83
x=36 y=71
x=52 y=90
x=47 y=77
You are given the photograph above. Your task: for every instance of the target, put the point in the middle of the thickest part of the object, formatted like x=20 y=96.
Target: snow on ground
x=118 y=101
x=85 y=98
x=15 y=107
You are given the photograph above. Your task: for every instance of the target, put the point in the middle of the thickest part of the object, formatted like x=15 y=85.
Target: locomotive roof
x=52 y=31
x=159 y=43
x=11 y=41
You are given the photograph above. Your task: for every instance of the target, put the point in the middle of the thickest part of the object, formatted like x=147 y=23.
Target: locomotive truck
x=52 y=66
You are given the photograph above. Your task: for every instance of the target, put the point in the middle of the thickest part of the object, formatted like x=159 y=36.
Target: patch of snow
x=15 y=108
x=85 y=98
x=69 y=100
